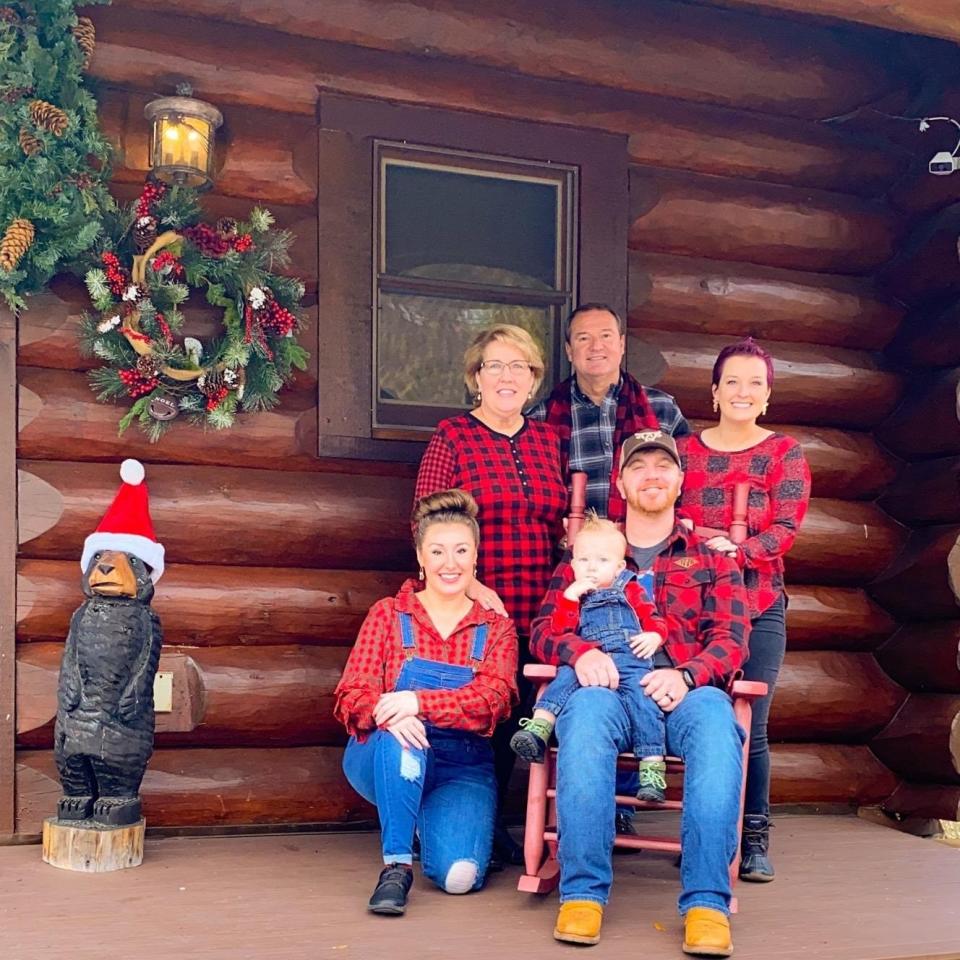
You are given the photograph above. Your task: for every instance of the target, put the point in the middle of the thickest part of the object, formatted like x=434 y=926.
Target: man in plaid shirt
x=701 y=594
x=600 y=405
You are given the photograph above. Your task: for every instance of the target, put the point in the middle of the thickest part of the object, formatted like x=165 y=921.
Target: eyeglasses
x=496 y=367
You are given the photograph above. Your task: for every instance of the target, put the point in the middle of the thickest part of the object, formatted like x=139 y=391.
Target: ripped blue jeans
x=448 y=793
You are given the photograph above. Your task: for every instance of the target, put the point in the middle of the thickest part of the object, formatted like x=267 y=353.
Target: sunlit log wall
x=747 y=216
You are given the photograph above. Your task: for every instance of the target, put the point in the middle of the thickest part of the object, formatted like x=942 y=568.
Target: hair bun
x=445 y=501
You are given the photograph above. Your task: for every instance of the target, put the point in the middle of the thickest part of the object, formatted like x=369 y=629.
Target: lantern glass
x=181 y=140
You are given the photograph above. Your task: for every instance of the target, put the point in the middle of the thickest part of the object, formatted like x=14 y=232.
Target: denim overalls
x=607 y=619
x=448 y=793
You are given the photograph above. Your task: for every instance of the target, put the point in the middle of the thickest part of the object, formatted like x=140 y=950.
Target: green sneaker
x=530 y=741
x=653 y=781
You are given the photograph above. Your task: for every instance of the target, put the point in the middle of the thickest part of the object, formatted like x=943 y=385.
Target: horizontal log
x=224 y=515
x=214 y=787
x=60 y=418
x=843 y=543
x=691 y=54
x=925 y=424
x=133 y=49
x=924 y=656
x=847 y=465
x=923 y=740
x=209 y=606
x=260 y=155
x=924 y=581
x=686 y=295
x=929 y=337
x=926 y=266
x=827 y=695
x=834 y=618
x=827 y=773
x=766 y=224
x=825 y=386
x=931 y=801
x=924 y=493
x=222 y=696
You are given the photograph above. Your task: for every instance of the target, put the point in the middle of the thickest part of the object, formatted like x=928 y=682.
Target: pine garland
x=137 y=292
x=53 y=158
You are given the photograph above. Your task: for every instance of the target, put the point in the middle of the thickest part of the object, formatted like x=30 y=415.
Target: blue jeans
x=646 y=718
x=768 y=643
x=448 y=793
x=593 y=728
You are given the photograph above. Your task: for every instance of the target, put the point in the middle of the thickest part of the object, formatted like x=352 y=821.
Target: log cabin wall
x=747 y=216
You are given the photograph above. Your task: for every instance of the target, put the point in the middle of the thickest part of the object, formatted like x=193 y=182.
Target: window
x=463 y=242
x=433 y=225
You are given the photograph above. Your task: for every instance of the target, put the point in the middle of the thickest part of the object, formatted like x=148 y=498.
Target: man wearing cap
x=596 y=408
x=701 y=594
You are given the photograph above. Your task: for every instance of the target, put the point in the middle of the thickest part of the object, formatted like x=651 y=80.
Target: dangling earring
x=421 y=573
x=716 y=405
x=479 y=397
x=763 y=410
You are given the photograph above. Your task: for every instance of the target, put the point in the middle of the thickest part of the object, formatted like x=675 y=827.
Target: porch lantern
x=181 y=138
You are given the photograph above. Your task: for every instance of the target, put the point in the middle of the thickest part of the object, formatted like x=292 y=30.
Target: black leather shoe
x=623 y=823
x=755 y=865
x=390 y=894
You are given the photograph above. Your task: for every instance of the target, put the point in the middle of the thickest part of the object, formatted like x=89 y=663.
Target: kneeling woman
x=426 y=683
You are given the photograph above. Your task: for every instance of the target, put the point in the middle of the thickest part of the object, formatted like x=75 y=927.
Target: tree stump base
x=86 y=848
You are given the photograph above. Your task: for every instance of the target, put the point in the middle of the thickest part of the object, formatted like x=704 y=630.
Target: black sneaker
x=755 y=865
x=390 y=894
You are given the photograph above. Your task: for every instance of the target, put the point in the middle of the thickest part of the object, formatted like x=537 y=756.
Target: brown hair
x=594 y=523
x=509 y=333
x=587 y=308
x=445 y=506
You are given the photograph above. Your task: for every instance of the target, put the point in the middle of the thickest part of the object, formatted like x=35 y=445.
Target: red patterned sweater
x=779 y=479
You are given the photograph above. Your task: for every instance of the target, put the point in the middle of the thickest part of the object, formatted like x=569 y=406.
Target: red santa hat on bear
x=126 y=525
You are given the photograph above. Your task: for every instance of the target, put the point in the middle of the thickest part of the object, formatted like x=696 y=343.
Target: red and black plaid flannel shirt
x=779 y=479
x=377 y=656
x=566 y=616
x=517 y=485
x=698 y=591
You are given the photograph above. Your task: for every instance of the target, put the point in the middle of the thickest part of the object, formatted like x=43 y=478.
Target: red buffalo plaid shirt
x=699 y=592
x=377 y=656
x=779 y=481
x=517 y=485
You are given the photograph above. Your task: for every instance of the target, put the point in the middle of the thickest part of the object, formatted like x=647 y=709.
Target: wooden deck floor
x=846 y=890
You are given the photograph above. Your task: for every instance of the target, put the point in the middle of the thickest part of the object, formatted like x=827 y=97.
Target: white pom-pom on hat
x=132 y=472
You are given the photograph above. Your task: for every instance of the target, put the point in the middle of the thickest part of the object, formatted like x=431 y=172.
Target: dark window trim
x=348 y=127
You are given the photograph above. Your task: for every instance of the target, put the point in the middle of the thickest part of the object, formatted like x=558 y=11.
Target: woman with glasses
x=511 y=466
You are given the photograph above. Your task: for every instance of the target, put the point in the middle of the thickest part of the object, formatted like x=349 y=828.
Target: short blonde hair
x=444 y=506
x=599 y=526
x=508 y=333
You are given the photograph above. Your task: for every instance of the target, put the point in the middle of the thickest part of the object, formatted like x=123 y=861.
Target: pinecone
x=144 y=233
x=227 y=227
x=86 y=38
x=12 y=94
x=148 y=366
x=15 y=243
x=48 y=117
x=211 y=382
x=9 y=15
x=30 y=144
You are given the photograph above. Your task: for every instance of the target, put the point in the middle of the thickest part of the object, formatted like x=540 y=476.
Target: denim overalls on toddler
x=447 y=793
x=607 y=619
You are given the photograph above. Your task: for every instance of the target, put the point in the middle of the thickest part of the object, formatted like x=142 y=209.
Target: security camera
x=943 y=163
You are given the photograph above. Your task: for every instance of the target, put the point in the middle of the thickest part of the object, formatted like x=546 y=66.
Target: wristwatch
x=688 y=678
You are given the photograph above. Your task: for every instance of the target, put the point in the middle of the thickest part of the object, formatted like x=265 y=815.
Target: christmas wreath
x=157 y=252
x=53 y=158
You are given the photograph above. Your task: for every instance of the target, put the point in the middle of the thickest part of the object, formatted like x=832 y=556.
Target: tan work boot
x=706 y=933
x=579 y=922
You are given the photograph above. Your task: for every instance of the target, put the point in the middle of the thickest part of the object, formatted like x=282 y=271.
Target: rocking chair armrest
x=748 y=690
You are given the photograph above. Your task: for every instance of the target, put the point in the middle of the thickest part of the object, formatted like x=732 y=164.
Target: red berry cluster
x=277 y=320
x=207 y=240
x=151 y=193
x=137 y=384
x=243 y=243
x=214 y=400
x=164 y=328
x=117 y=278
x=166 y=259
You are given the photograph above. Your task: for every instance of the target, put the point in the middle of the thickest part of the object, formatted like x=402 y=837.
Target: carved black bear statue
x=105 y=720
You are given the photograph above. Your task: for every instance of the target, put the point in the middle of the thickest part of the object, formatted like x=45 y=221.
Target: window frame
x=347 y=129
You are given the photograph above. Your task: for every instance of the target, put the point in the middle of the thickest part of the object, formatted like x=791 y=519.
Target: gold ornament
x=48 y=117
x=86 y=36
x=29 y=144
x=15 y=243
